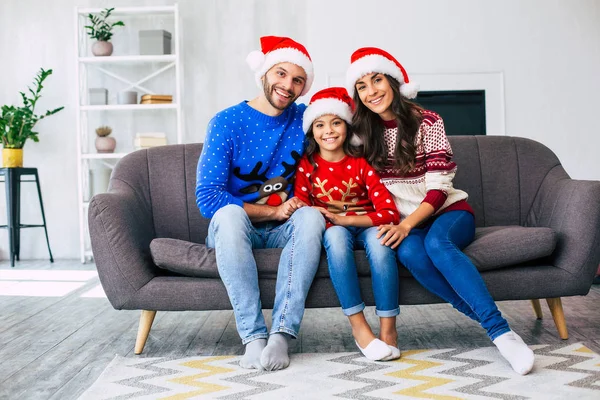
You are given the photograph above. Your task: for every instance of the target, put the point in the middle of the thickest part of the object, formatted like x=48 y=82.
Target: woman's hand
x=393 y=235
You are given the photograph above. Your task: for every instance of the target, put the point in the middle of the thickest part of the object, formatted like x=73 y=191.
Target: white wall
x=547 y=51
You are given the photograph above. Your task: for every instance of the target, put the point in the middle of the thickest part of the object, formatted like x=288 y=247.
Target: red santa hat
x=368 y=60
x=275 y=50
x=334 y=100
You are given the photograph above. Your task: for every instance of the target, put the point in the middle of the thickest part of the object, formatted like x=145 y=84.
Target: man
x=243 y=184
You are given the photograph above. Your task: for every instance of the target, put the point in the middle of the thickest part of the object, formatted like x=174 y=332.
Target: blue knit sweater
x=248 y=157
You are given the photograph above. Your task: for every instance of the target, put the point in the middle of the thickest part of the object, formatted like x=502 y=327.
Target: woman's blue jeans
x=433 y=255
x=340 y=243
x=233 y=236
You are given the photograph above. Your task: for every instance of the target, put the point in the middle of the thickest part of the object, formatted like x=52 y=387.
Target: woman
x=409 y=147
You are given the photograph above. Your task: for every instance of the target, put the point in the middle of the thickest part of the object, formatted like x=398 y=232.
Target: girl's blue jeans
x=433 y=254
x=340 y=243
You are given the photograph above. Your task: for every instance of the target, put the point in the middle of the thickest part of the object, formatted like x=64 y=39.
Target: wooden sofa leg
x=146 y=320
x=537 y=308
x=556 y=309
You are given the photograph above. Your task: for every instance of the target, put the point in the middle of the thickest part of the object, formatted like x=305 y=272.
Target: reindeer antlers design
x=321 y=185
x=289 y=168
x=349 y=185
x=254 y=175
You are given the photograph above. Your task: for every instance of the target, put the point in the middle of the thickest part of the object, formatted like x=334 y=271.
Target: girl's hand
x=393 y=235
x=335 y=219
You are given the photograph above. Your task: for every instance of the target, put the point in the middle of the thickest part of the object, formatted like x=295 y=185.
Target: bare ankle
x=363 y=336
x=389 y=338
x=361 y=330
x=388 y=332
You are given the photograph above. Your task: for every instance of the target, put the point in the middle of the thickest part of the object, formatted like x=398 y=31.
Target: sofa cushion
x=502 y=246
x=185 y=258
x=197 y=260
x=493 y=247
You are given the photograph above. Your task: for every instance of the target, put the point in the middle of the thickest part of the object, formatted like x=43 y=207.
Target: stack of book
x=156 y=99
x=149 y=139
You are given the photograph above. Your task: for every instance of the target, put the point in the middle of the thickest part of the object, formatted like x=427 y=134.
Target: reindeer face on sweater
x=271 y=191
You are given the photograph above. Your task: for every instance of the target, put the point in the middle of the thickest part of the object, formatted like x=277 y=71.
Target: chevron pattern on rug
x=560 y=372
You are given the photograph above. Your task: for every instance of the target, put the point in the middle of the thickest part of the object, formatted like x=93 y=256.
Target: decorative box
x=98 y=96
x=155 y=42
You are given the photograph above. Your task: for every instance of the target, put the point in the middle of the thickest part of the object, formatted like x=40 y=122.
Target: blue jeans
x=340 y=243
x=233 y=236
x=433 y=255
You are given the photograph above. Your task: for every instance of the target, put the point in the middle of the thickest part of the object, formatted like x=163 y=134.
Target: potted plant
x=105 y=144
x=101 y=30
x=16 y=123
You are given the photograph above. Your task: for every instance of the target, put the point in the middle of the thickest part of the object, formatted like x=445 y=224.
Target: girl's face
x=330 y=133
x=376 y=94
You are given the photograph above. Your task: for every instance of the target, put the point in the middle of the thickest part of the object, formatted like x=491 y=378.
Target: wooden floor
x=57 y=332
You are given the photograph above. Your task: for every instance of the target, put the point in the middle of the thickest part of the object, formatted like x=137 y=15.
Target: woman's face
x=376 y=94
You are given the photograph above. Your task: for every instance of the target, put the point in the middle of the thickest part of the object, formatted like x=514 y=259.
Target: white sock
x=251 y=357
x=275 y=356
x=376 y=350
x=395 y=354
x=515 y=351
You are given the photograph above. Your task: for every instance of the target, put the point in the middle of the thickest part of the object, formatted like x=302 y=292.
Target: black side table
x=12 y=183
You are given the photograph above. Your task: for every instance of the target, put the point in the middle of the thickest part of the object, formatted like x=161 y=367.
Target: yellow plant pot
x=12 y=158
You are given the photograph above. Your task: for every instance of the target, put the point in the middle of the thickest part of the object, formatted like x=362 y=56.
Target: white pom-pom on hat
x=255 y=60
x=409 y=90
x=356 y=141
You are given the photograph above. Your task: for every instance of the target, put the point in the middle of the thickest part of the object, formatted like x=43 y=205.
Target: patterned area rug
x=560 y=372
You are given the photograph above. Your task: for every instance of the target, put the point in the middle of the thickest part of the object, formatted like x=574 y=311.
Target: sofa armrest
x=121 y=229
x=572 y=208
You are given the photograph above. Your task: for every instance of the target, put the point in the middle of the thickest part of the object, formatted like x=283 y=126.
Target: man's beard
x=269 y=89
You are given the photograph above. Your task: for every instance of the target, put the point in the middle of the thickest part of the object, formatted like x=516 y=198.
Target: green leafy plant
x=100 y=29
x=16 y=123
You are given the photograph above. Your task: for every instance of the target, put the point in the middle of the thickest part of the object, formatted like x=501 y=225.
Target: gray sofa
x=538 y=233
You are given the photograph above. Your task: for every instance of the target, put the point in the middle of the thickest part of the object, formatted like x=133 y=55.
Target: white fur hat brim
x=288 y=54
x=323 y=107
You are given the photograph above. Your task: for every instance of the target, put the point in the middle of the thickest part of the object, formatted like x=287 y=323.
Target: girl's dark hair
x=369 y=127
x=311 y=147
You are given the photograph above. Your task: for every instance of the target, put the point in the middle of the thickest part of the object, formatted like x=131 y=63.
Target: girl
x=349 y=193
x=408 y=145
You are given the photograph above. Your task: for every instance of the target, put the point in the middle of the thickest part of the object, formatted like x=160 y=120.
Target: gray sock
x=251 y=357
x=275 y=355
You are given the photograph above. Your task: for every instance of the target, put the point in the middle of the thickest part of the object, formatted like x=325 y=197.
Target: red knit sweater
x=347 y=187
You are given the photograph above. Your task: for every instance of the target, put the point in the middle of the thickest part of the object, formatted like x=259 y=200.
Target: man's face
x=283 y=84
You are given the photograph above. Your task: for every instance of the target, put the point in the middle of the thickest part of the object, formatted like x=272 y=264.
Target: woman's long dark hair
x=369 y=127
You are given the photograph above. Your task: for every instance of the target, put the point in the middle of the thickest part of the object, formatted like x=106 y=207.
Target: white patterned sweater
x=431 y=178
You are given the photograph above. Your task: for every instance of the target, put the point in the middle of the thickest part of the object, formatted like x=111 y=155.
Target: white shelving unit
x=124 y=70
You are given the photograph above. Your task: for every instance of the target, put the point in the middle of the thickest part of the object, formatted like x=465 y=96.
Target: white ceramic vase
x=105 y=144
x=102 y=48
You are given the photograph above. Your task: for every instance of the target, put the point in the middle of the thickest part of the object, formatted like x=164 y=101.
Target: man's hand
x=393 y=235
x=285 y=210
